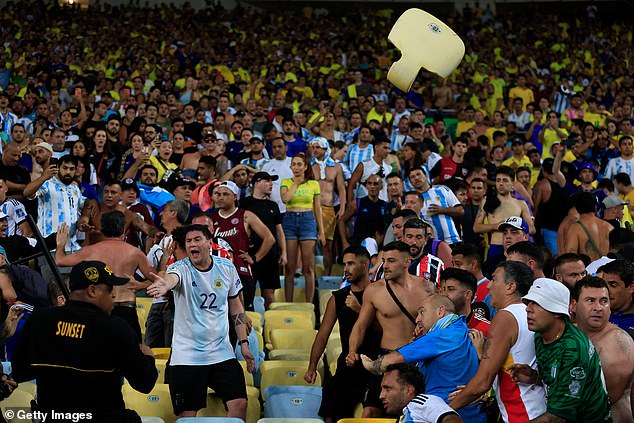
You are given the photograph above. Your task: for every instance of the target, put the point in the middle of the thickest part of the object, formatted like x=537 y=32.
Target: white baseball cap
x=550 y=295
x=231 y=186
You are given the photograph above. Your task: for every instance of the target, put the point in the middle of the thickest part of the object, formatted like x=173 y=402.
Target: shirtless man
x=189 y=163
x=591 y=305
x=330 y=175
x=378 y=304
x=122 y=258
x=111 y=202
x=508 y=207
x=589 y=235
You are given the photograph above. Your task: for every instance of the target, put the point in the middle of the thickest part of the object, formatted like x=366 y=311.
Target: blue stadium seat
x=292 y=401
x=329 y=282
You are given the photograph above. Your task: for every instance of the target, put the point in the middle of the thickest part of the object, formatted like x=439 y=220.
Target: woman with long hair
x=132 y=154
x=81 y=150
x=412 y=158
x=101 y=157
x=302 y=223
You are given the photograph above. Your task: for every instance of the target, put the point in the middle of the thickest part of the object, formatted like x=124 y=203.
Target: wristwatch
x=243 y=341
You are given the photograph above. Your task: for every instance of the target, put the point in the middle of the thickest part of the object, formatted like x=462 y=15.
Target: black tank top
x=347 y=318
x=553 y=211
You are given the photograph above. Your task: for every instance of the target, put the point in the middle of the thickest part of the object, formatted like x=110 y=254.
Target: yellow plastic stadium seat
x=144 y=303
x=292 y=306
x=248 y=377
x=324 y=296
x=358 y=410
x=29 y=387
x=292 y=339
x=287 y=319
x=163 y=353
x=332 y=367
x=319 y=270
x=333 y=350
x=424 y=42
x=216 y=408
x=284 y=372
x=337 y=270
x=157 y=403
x=299 y=296
x=256 y=318
x=18 y=399
x=365 y=420
x=161 y=364
x=289 y=355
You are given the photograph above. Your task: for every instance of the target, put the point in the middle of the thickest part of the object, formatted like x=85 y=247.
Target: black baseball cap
x=260 y=176
x=128 y=183
x=93 y=272
x=178 y=182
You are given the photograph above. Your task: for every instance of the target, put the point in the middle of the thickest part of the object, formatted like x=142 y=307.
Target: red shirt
x=475 y=321
x=482 y=291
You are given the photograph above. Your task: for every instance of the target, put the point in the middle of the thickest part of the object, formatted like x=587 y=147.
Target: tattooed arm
x=239 y=319
x=378 y=366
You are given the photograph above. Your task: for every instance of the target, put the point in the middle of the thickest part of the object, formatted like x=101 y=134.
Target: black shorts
x=267 y=272
x=343 y=392
x=128 y=314
x=188 y=384
x=373 y=384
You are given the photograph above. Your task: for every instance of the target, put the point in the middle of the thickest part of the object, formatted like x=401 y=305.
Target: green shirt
x=572 y=375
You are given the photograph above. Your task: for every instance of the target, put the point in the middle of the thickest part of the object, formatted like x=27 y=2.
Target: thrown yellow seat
x=287 y=319
x=292 y=339
x=156 y=404
x=283 y=372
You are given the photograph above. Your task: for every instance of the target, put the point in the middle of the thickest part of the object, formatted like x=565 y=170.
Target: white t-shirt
x=201 y=320
x=281 y=168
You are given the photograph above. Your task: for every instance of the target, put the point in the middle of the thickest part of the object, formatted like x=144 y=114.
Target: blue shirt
x=447 y=358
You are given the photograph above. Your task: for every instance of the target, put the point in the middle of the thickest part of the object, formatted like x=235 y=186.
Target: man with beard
x=393 y=303
x=460 y=287
x=113 y=126
x=425 y=265
x=59 y=201
x=42 y=154
x=497 y=209
x=344 y=390
x=294 y=142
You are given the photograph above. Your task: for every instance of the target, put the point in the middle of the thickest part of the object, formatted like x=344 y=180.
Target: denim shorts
x=300 y=226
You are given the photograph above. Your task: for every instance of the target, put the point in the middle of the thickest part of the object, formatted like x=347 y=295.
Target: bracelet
x=255 y=260
x=243 y=341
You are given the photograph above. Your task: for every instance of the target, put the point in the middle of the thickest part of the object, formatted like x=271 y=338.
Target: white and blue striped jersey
x=349 y=136
x=425 y=409
x=356 y=155
x=561 y=102
x=257 y=164
x=444 y=225
x=619 y=165
x=201 y=319
x=59 y=203
x=16 y=214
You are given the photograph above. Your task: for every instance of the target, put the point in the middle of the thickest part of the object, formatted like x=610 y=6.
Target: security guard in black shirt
x=79 y=353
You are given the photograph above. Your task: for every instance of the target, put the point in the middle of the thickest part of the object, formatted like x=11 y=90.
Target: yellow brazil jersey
x=519 y=163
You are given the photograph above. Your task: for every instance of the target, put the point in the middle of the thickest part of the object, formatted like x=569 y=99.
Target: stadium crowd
x=483 y=221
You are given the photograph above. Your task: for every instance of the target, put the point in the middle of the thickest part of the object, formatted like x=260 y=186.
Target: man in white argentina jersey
x=402 y=390
x=625 y=162
x=509 y=342
x=205 y=291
